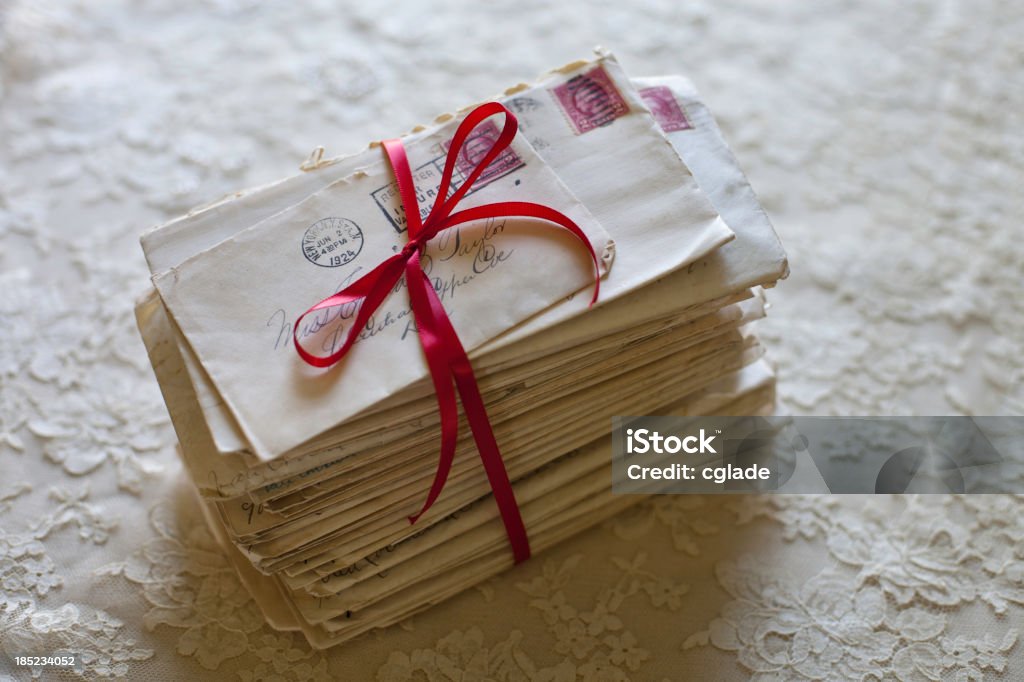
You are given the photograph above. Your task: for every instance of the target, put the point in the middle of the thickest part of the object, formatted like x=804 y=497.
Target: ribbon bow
x=446 y=358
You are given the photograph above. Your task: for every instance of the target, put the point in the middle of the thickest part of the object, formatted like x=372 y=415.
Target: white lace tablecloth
x=886 y=141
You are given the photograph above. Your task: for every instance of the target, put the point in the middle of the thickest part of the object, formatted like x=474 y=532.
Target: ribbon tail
x=480 y=424
x=431 y=340
x=490 y=455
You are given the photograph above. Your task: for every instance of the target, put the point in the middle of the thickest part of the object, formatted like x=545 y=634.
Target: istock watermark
x=818 y=454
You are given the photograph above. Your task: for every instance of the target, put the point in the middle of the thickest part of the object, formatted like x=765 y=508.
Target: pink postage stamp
x=590 y=100
x=480 y=141
x=665 y=108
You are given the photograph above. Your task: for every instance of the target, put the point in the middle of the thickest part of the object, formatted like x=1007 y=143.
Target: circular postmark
x=332 y=242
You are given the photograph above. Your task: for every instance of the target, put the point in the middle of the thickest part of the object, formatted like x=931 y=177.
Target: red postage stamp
x=590 y=100
x=480 y=141
x=665 y=108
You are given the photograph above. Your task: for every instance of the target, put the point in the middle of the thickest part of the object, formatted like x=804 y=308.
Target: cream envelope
x=756 y=256
x=605 y=146
x=237 y=302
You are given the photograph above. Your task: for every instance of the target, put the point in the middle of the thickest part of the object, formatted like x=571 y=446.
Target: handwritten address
x=330 y=325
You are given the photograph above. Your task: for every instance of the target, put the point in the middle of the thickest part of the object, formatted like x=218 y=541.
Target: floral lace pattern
x=28 y=574
x=822 y=630
x=884 y=141
x=190 y=585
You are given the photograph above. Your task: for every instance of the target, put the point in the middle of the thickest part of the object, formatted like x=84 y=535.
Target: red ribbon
x=446 y=358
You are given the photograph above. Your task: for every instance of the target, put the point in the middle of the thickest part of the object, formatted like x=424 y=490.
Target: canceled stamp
x=590 y=100
x=477 y=145
x=332 y=242
x=665 y=108
x=427 y=177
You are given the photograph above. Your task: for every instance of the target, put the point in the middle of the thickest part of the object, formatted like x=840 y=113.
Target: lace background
x=886 y=142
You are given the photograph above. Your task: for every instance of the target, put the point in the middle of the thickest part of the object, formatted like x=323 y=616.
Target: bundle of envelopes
x=308 y=476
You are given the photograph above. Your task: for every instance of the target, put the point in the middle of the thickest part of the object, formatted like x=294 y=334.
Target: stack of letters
x=308 y=476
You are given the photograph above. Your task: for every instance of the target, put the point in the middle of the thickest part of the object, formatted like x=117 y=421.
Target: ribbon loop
x=406 y=187
x=449 y=365
x=475 y=118
x=372 y=288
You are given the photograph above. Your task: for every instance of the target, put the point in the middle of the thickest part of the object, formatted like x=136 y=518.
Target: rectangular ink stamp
x=426 y=178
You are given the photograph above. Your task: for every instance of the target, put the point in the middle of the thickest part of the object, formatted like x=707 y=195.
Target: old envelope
x=587 y=119
x=236 y=303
